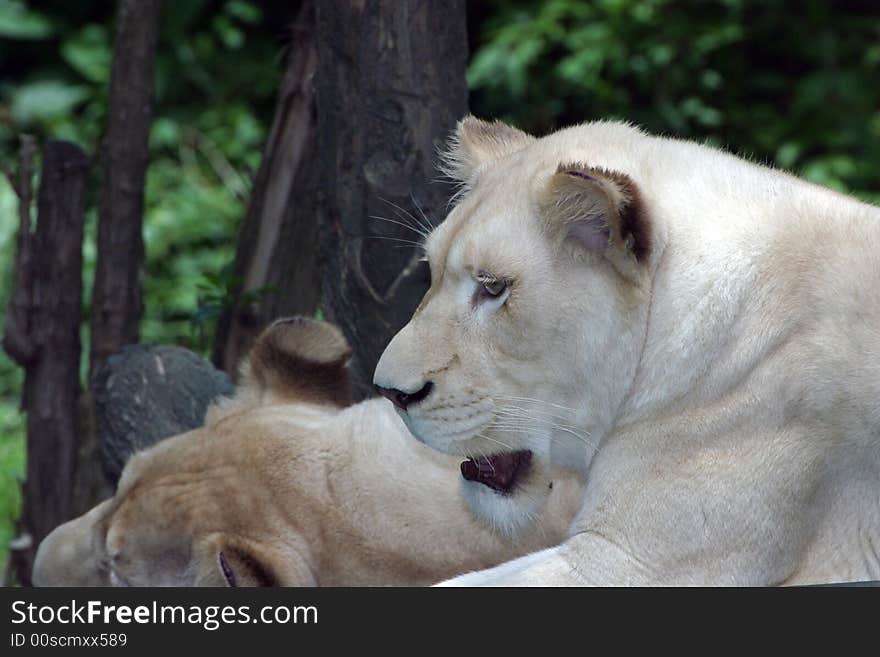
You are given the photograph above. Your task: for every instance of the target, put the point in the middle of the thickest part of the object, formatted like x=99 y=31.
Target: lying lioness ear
x=241 y=563
x=476 y=142
x=301 y=359
x=601 y=211
x=240 y=568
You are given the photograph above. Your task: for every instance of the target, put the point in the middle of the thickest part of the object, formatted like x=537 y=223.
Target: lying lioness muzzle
x=289 y=485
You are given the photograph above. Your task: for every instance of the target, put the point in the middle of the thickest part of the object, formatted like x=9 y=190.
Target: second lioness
x=285 y=485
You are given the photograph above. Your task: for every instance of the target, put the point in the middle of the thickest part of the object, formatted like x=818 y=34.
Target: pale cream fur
x=721 y=398
x=292 y=493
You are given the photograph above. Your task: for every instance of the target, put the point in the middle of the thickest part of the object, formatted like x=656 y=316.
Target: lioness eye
x=490 y=288
x=494 y=288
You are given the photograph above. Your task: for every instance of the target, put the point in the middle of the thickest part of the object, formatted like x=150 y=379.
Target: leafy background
x=790 y=84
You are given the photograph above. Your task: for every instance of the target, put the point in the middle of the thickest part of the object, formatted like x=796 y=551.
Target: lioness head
x=199 y=508
x=542 y=263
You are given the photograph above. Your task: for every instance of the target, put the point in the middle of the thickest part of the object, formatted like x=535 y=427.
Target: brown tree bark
x=16 y=322
x=48 y=281
x=276 y=262
x=390 y=86
x=116 y=295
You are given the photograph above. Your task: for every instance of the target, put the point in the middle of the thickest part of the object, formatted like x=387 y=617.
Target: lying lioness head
x=289 y=485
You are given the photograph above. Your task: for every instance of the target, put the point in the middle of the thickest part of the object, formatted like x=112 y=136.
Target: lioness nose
x=403 y=399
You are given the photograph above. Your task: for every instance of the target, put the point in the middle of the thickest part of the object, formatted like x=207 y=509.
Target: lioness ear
x=243 y=569
x=301 y=359
x=476 y=142
x=600 y=210
x=253 y=565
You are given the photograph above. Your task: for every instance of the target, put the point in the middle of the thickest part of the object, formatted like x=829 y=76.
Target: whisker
x=394 y=239
x=524 y=414
x=421 y=212
x=516 y=407
x=418 y=231
x=583 y=439
x=406 y=212
x=410 y=218
x=480 y=435
x=523 y=429
x=538 y=401
x=517 y=419
x=513 y=412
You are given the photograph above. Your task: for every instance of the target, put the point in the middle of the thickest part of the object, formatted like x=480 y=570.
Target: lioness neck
x=748 y=278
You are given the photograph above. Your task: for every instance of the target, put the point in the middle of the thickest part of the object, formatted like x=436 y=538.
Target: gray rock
x=144 y=393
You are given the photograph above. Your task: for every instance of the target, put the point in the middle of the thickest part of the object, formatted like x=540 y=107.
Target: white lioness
x=698 y=334
x=284 y=486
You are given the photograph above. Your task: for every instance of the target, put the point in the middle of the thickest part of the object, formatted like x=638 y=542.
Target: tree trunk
x=390 y=86
x=116 y=295
x=276 y=265
x=16 y=322
x=49 y=293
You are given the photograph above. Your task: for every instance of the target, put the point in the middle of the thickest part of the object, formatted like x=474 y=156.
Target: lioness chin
x=697 y=334
x=287 y=484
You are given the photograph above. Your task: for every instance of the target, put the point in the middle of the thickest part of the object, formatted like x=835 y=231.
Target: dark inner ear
x=303 y=359
x=634 y=224
x=240 y=568
x=226 y=570
x=599 y=208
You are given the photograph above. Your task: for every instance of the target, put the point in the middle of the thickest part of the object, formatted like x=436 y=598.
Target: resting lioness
x=284 y=485
x=698 y=334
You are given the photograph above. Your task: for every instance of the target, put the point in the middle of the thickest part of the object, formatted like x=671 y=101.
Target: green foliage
x=11 y=467
x=88 y=52
x=18 y=22
x=791 y=85
x=217 y=293
x=216 y=77
x=217 y=71
x=11 y=379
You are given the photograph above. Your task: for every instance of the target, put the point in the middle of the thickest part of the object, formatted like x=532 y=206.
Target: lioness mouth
x=498 y=471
